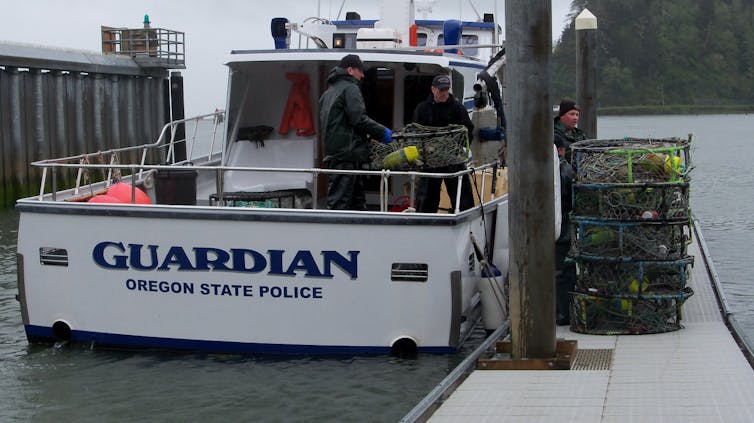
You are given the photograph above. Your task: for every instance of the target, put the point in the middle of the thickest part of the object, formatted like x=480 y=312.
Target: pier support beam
x=531 y=217
x=177 y=113
x=586 y=71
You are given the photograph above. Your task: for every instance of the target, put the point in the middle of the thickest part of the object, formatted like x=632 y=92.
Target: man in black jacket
x=442 y=109
x=344 y=124
x=565 y=272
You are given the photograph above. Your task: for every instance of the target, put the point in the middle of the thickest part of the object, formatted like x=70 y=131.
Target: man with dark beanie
x=566 y=133
x=566 y=125
x=344 y=124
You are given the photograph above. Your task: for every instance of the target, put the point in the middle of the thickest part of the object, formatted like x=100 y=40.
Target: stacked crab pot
x=631 y=228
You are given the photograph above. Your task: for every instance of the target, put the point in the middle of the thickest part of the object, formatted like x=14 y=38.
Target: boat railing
x=163 y=150
x=140 y=172
x=203 y=147
x=485 y=174
x=169 y=141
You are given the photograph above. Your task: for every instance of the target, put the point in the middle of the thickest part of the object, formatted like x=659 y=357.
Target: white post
x=586 y=71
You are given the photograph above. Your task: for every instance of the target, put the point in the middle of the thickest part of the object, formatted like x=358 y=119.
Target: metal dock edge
x=700 y=373
x=728 y=316
x=424 y=409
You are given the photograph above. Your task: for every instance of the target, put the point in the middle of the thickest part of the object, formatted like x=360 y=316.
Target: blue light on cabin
x=451 y=32
x=279 y=33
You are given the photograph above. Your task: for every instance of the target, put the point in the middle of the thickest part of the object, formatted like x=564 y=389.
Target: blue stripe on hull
x=43 y=334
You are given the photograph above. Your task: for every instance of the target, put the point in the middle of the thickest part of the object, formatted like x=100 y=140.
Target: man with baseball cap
x=442 y=109
x=344 y=124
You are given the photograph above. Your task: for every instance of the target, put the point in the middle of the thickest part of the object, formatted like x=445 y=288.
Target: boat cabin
x=272 y=114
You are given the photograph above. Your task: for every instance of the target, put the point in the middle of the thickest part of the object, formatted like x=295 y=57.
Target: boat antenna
x=343 y=3
x=476 y=12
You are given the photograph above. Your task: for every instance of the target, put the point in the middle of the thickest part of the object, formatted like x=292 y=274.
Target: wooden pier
x=696 y=374
x=58 y=102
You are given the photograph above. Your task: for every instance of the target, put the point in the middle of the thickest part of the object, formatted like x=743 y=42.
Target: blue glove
x=388 y=138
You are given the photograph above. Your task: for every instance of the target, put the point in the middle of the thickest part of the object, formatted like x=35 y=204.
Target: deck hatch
x=409 y=272
x=53 y=256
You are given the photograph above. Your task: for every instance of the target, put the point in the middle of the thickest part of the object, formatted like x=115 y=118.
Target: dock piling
x=528 y=26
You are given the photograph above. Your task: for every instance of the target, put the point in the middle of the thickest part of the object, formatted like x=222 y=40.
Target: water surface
x=47 y=385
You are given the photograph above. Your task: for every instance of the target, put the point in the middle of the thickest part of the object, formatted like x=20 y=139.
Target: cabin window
x=470 y=40
x=339 y=41
x=466 y=40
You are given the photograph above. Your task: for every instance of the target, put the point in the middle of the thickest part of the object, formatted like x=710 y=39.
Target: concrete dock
x=696 y=374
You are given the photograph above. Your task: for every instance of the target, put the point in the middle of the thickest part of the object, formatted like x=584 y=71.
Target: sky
x=212 y=28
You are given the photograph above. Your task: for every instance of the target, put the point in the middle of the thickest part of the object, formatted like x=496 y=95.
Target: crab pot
x=436 y=147
x=661 y=202
x=602 y=239
x=606 y=278
x=176 y=186
x=627 y=315
x=631 y=161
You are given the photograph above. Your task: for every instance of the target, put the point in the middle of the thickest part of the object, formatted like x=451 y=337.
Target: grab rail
x=82 y=161
x=112 y=169
x=219 y=171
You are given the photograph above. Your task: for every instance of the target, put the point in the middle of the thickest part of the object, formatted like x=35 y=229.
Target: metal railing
x=110 y=161
x=157 y=46
x=206 y=141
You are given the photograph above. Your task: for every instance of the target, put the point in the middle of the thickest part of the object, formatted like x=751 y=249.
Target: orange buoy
x=104 y=198
x=122 y=191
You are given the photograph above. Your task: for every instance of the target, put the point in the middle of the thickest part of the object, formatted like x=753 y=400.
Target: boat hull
x=246 y=280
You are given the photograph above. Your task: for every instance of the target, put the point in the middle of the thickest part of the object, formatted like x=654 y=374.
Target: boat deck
x=696 y=374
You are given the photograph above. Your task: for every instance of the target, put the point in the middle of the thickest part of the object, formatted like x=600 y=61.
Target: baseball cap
x=441 y=81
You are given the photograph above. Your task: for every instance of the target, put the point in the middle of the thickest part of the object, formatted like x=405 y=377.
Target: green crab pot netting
x=631 y=161
x=616 y=315
x=631 y=228
x=608 y=240
x=437 y=147
x=637 y=278
x=629 y=202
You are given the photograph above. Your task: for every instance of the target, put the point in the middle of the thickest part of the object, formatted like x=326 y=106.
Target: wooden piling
x=528 y=27
x=176 y=107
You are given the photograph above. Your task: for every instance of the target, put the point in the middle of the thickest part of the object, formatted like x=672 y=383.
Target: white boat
x=233 y=250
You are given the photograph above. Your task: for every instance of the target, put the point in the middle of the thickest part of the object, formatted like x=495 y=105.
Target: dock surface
x=695 y=374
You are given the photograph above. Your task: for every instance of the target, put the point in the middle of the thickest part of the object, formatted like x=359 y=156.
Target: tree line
x=665 y=54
